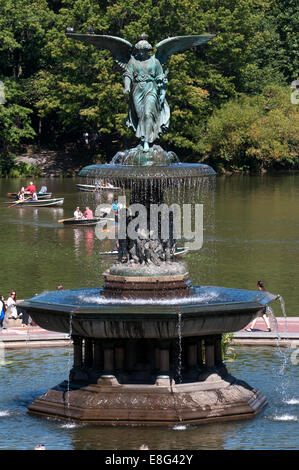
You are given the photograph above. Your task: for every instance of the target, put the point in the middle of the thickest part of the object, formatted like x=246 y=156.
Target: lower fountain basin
x=208 y=310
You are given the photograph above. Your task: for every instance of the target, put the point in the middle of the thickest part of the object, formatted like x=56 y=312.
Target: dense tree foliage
x=229 y=99
x=254 y=132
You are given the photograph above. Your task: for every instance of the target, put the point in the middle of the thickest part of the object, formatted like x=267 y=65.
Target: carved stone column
x=108 y=357
x=97 y=354
x=199 y=353
x=88 y=356
x=191 y=355
x=119 y=356
x=157 y=357
x=210 y=351
x=164 y=357
x=78 y=355
x=218 y=349
x=130 y=355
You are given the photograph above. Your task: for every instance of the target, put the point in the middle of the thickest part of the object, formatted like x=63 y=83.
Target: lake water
x=251 y=228
x=28 y=373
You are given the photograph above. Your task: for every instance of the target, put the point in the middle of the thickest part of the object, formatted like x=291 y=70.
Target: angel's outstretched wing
x=179 y=44
x=119 y=48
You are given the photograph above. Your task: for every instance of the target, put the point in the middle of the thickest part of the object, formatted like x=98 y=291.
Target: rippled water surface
x=251 y=230
x=26 y=374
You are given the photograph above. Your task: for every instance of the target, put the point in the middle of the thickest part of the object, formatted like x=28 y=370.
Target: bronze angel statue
x=144 y=78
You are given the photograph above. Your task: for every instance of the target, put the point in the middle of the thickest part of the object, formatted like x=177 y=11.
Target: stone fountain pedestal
x=151 y=359
x=147 y=283
x=108 y=402
x=133 y=393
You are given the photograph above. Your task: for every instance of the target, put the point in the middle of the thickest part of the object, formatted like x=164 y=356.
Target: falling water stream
x=179 y=369
x=282 y=373
x=70 y=359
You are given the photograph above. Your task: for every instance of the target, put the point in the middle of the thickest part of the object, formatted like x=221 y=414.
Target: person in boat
x=98 y=185
x=31 y=188
x=88 y=214
x=34 y=197
x=78 y=214
x=21 y=194
x=261 y=287
x=43 y=189
x=115 y=208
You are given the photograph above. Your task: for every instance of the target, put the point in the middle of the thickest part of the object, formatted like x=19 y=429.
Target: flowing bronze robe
x=148 y=110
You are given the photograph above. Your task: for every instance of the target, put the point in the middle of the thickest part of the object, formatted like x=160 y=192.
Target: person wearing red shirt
x=31 y=188
x=88 y=213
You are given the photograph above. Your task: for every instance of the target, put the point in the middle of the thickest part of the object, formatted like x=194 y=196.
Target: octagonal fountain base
x=148 y=361
x=217 y=397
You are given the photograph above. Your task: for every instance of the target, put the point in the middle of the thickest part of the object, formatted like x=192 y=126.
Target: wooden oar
x=18 y=202
x=100 y=218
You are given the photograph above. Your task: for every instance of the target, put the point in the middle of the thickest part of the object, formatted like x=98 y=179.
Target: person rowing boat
x=78 y=214
x=88 y=214
x=20 y=196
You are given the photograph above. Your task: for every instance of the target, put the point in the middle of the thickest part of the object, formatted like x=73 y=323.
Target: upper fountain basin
x=208 y=310
x=130 y=172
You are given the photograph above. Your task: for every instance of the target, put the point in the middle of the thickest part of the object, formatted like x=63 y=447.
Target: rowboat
x=93 y=188
x=40 y=203
x=179 y=253
x=82 y=222
x=27 y=194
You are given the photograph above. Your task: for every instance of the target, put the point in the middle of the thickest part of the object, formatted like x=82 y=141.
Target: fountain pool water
x=30 y=372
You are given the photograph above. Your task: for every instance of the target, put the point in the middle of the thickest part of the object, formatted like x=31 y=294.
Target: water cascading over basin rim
x=173 y=171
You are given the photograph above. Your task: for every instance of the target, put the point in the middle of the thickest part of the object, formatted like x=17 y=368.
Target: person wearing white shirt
x=11 y=310
x=11 y=306
x=78 y=214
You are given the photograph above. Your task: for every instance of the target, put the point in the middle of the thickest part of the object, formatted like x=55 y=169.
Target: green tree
x=69 y=88
x=255 y=132
x=22 y=30
x=15 y=124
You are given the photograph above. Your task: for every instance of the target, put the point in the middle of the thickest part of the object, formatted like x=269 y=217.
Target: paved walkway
x=287 y=333
x=34 y=336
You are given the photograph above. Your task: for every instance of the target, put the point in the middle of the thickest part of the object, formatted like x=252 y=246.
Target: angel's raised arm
x=178 y=44
x=119 y=48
